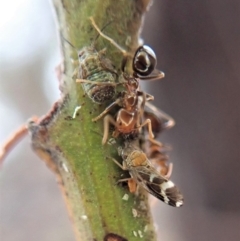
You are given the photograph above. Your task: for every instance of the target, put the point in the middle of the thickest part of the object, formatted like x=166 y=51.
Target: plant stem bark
x=72 y=147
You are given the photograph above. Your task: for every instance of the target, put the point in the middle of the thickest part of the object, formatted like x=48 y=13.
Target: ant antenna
x=124 y=52
x=101 y=29
x=93 y=40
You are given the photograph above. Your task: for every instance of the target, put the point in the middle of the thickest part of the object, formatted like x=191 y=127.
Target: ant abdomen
x=144 y=61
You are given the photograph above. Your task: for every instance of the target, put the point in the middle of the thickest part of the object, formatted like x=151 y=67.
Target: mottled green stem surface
x=72 y=147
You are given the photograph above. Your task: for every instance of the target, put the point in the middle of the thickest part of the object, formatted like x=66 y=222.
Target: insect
x=144 y=174
x=96 y=73
x=160 y=122
x=98 y=76
x=94 y=69
x=131 y=101
x=127 y=119
x=144 y=61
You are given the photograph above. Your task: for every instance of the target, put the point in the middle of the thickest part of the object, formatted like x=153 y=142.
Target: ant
x=127 y=120
x=132 y=100
x=160 y=122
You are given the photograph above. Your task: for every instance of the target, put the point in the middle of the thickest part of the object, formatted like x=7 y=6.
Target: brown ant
x=132 y=100
x=128 y=117
x=160 y=122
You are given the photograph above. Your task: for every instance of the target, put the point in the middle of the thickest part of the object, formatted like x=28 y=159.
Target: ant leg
x=145 y=97
x=156 y=76
x=149 y=124
x=108 y=119
x=116 y=102
x=149 y=97
x=151 y=135
x=153 y=141
x=141 y=109
x=167 y=120
x=169 y=171
x=132 y=185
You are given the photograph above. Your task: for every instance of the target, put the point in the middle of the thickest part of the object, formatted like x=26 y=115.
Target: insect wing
x=157 y=185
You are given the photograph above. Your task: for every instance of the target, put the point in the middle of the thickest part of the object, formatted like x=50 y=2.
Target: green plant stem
x=72 y=147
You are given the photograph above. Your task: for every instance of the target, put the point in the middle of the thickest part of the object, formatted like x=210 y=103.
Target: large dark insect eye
x=144 y=61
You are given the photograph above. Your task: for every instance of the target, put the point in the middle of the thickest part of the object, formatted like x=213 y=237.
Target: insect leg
x=151 y=135
x=167 y=120
x=124 y=180
x=169 y=171
x=108 y=119
x=116 y=162
x=156 y=76
x=153 y=141
x=116 y=102
x=148 y=123
x=149 y=97
x=132 y=185
x=144 y=97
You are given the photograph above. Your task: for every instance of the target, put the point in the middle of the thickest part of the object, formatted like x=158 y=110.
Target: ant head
x=144 y=61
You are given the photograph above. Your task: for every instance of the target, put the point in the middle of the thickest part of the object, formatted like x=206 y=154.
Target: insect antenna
x=65 y=40
x=124 y=52
x=98 y=35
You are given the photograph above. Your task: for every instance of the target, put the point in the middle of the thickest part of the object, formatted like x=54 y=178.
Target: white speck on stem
x=145 y=228
x=125 y=197
x=135 y=233
x=65 y=167
x=134 y=212
x=76 y=111
x=111 y=142
x=140 y=234
x=84 y=217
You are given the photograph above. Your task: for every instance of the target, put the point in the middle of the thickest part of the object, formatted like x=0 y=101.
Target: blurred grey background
x=198 y=47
